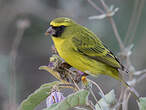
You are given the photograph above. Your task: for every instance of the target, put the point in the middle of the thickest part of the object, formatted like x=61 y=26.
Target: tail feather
x=131 y=89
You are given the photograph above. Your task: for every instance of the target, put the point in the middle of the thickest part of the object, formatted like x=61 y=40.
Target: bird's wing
x=91 y=46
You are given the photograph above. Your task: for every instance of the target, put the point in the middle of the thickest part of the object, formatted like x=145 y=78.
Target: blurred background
x=24 y=47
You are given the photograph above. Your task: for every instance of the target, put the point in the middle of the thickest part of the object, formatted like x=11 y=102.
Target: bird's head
x=58 y=26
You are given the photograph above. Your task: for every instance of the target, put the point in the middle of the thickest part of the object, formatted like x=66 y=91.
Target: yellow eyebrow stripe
x=59 y=24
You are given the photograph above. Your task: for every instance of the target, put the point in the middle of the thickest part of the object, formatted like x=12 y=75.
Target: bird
x=83 y=50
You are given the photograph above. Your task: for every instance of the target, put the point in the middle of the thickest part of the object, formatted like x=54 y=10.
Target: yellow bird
x=83 y=50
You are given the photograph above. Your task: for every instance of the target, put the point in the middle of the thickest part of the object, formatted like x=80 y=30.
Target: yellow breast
x=64 y=47
x=75 y=59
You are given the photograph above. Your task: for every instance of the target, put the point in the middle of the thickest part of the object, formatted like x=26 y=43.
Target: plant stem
x=13 y=55
x=21 y=26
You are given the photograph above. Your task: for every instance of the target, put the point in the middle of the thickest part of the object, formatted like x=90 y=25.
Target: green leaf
x=142 y=103
x=80 y=109
x=37 y=97
x=107 y=102
x=79 y=98
x=53 y=107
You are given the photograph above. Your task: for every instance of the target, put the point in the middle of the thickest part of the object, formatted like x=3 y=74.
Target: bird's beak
x=50 y=31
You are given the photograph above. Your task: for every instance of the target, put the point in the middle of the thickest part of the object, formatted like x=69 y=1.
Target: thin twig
x=92 y=93
x=128 y=96
x=125 y=100
x=104 y=5
x=141 y=78
x=95 y=6
x=132 y=22
x=121 y=96
x=117 y=35
x=141 y=5
x=97 y=87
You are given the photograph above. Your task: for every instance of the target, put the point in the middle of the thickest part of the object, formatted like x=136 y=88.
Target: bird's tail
x=118 y=76
x=131 y=89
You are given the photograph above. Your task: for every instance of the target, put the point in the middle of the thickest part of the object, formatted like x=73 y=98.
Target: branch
x=116 y=33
